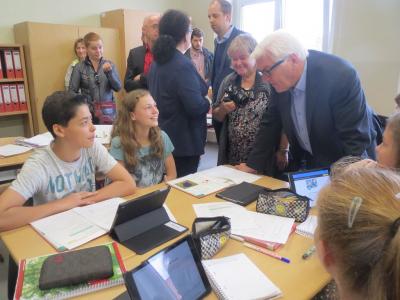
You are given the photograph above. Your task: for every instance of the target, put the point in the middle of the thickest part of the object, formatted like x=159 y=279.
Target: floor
x=208 y=160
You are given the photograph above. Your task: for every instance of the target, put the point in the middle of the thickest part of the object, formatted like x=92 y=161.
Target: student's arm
x=122 y=185
x=112 y=75
x=170 y=168
x=13 y=214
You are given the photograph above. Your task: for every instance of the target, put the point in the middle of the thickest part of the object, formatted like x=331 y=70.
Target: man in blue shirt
x=317 y=101
x=220 y=17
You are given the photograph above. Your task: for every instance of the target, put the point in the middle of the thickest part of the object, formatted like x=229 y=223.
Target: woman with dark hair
x=179 y=92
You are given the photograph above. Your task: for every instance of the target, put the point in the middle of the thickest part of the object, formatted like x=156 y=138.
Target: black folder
x=143 y=224
x=243 y=193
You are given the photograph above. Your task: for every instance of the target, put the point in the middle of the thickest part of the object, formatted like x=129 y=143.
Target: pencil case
x=74 y=267
x=210 y=235
x=284 y=203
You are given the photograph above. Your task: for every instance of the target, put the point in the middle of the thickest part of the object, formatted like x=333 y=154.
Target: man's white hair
x=278 y=45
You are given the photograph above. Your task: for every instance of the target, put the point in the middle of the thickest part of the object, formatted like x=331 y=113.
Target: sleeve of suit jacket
x=262 y=155
x=351 y=115
x=133 y=69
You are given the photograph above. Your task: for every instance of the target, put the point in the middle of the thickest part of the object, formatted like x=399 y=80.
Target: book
x=39 y=140
x=212 y=180
x=27 y=286
x=236 y=277
x=10 y=150
x=265 y=244
x=307 y=228
x=77 y=226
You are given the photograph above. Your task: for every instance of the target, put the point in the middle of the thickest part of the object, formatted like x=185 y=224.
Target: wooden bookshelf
x=24 y=115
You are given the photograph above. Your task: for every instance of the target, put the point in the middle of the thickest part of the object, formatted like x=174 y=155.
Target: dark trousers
x=217 y=128
x=186 y=165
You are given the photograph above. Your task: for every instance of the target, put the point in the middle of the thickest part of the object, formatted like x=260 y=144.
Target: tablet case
x=74 y=267
x=242 y=194
x=144 y=224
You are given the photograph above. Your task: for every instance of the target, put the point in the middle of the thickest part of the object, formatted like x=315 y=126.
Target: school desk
x=15 y=161
x=301 y=279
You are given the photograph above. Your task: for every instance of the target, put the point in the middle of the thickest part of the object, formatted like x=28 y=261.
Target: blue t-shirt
x=150 y=169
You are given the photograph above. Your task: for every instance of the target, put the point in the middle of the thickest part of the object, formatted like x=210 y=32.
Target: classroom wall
x=366 y=32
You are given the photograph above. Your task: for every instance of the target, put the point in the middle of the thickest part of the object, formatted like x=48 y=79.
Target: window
x=308 y=20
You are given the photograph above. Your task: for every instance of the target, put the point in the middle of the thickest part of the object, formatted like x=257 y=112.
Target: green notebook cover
x=27 y=286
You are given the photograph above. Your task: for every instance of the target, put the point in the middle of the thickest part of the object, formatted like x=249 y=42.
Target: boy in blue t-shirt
x=61 y=176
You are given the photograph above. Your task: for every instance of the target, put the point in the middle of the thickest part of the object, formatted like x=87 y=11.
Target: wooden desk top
x=15 y=161
x=301 y=279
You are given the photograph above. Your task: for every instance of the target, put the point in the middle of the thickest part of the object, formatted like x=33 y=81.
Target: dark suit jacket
x=180 y=95
x=135 y=66
x=339 y=121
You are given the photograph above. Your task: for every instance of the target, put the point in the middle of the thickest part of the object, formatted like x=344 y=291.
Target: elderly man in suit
x=317 y=101
x=140 y=58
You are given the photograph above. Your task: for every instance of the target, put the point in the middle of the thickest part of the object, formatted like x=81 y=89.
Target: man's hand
x=137 y=77
x=282 y=159
x=243 y=167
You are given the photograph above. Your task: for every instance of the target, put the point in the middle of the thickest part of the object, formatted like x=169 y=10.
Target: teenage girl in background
x=139 y=144
x=388 y=152
x=80 y=52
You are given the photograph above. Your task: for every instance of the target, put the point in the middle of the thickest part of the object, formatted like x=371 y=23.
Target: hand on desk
x=243 y=167
x=77 y=199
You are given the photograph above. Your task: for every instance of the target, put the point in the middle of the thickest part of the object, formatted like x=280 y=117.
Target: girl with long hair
x=139 y=144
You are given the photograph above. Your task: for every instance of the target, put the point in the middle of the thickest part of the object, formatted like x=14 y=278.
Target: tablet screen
x=309 y=183
x=174 y=273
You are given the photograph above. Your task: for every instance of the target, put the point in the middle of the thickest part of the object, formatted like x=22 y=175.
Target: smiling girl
x=139 y=144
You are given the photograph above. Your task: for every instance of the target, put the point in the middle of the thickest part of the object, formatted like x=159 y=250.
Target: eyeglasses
x=268 y=72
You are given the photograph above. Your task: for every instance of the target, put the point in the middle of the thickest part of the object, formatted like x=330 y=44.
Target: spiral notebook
x=228 y=284
x=307 y=228
x=27 y=286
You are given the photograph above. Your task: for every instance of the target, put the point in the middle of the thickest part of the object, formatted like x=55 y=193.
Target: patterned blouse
x=244 y=121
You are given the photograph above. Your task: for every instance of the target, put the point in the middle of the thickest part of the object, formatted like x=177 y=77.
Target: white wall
x=367 y=33
x=77 y=12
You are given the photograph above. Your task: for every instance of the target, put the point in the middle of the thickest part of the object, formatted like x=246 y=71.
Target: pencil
x=267 y=252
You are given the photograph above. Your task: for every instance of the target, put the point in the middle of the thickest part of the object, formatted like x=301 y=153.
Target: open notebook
x=236 y=277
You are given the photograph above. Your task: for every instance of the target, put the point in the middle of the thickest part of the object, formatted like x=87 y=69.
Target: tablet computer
x=173 y=273
x=309 y=182
x=143 y=224
x=243 y=193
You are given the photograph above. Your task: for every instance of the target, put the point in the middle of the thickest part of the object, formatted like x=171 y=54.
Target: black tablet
x=173 y=273
x=309 y=182
x=243 y=193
